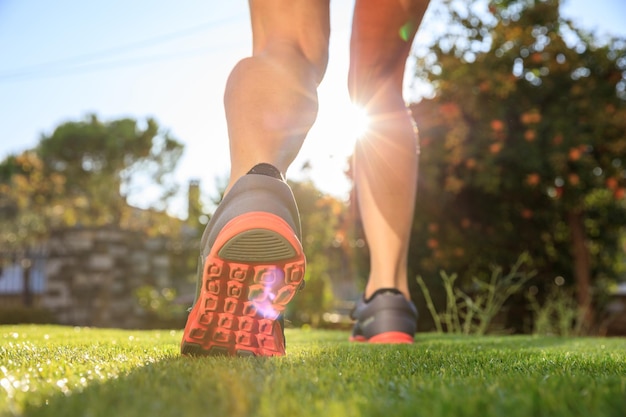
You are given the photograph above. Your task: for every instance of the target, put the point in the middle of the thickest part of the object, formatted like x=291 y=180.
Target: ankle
x=372 y=287
x=267 y=169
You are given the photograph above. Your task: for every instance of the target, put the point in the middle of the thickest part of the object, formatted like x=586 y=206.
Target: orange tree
x=523 y=147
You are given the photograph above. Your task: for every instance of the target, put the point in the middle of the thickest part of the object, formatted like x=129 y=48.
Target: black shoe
x=386 y=317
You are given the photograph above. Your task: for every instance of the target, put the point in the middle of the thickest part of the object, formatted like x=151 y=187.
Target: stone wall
x=92 y=275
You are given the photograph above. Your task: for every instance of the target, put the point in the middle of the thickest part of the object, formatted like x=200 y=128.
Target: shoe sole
x=255 y=267
x=386 y=337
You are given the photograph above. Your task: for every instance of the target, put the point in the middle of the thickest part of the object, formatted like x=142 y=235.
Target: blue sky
x=60 y=60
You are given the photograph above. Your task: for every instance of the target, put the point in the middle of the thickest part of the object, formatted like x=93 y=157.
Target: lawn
x=64 y=371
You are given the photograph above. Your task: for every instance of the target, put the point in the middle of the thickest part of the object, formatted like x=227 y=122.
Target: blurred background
x=114 y=155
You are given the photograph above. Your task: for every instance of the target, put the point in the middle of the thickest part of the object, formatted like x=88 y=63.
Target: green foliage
x=53 y=371
x=472 y=312
x=558 y=314
x=524 y=140
x=25 y=191
x=83 y=174
x=327 y=248
x=102 y=161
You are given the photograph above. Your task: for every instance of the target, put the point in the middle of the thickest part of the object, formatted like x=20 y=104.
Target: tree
x=523 y=146
x=25 y=188
x=102 y=162
x=83 y=173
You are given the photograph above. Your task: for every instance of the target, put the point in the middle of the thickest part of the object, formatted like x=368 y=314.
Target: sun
x=357 y=121
x=331 y=141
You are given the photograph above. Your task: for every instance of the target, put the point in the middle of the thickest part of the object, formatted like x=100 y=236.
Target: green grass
x=62 y=371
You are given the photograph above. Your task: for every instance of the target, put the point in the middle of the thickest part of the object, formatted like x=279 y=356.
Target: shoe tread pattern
x=246 y=285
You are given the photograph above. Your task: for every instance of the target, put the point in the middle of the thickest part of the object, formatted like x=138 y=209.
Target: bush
x=473 y=314
x=558 y=315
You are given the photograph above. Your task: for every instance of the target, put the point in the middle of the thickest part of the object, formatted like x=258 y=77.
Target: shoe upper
x=387 y=310
x=253 y=192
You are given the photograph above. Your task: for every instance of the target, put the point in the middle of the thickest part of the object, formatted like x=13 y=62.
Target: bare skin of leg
x=271 y=97
x=386 y=157
x=271 y=103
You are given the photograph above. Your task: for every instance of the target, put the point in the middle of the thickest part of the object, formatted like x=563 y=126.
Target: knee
x=371 y=80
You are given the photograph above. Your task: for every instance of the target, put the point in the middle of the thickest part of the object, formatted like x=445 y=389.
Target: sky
x=63 y=60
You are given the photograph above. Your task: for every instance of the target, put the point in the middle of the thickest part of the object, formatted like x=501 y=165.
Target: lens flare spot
x=406 y=31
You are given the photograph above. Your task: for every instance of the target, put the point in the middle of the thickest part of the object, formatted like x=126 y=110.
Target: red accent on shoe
x=391 y=337
x=240 y=300
x=359 y=339
x=386 y=337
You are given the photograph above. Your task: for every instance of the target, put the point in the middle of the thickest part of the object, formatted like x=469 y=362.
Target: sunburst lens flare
x=358 y=120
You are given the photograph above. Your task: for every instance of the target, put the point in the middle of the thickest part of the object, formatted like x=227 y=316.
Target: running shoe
x=251 y=266
x=386 y=317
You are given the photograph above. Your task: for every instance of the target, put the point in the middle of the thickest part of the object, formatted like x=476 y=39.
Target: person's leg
x=252 y=263
x=271 y=97
x=386 y=158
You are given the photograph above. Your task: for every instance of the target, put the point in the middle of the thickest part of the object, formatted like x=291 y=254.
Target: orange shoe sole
x=254 y=269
